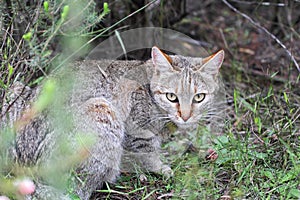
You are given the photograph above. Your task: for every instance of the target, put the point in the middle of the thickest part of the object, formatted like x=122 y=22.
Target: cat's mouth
x=182 y=124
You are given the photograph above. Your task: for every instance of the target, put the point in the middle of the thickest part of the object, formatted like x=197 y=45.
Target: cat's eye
x=172 y=97
x=199 y=97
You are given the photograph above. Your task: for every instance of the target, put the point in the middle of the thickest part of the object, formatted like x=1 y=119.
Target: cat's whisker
x=155 y=118
x=213 y=116
x=215 y=112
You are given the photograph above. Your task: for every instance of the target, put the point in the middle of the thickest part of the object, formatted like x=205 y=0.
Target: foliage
x=36 y=38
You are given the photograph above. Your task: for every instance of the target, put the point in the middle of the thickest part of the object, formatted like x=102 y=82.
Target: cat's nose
x=185 y=118
x=185 y=115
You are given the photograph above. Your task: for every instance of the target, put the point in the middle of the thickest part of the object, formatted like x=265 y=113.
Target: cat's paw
x=167 y=171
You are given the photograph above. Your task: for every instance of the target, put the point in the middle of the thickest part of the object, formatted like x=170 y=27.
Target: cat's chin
x=186 y=126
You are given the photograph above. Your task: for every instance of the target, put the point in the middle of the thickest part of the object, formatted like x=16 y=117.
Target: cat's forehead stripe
x=186 y=82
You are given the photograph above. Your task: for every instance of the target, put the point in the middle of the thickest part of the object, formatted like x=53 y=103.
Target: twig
x=223 y=38
x=166 y=195
x=265 y=30
x=101 y=34
x=11 y=104
x=260 y=3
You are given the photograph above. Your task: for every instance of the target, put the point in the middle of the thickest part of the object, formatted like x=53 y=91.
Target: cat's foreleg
x=144 y=148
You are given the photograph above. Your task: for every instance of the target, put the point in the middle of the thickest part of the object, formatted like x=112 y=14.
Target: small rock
x=143 y=178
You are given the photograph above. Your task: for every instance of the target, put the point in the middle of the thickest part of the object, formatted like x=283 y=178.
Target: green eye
x=199 y=97
x=172 y=97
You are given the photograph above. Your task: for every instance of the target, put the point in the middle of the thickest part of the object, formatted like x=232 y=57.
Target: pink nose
x=185 y=118
x=185 y=115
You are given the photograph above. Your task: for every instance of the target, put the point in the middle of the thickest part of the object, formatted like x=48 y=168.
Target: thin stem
x=265 y=30
x=106 y=30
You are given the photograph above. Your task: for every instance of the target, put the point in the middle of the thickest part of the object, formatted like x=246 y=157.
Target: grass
x=258 y=154
x=29 y=50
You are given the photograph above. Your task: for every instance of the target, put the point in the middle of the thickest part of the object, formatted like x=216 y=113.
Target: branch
x=265 y=30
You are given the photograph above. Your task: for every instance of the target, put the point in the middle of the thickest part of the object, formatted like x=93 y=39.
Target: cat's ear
x=212 y=64
x=160 y=60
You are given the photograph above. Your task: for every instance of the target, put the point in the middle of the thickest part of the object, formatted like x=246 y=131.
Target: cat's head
x=185 y=87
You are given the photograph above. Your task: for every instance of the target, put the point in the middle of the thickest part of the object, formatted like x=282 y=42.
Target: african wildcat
x=124 y=106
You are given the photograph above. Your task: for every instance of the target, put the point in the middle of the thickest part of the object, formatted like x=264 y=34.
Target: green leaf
x=10 y=70
x=2 y=85
x=47 y=53
x=46 y=6
x=268 y=174
x=106 y=10
x=235 y=96
x=65 y=12
x=27 y=36
x=223 y=139
x=36 y=81
x=286 y=99
x=248 y=105
x=74 y=197
x=288 y=177
x=245 y=171
x=294 y=193
x=260 y=155
x=257 y=121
